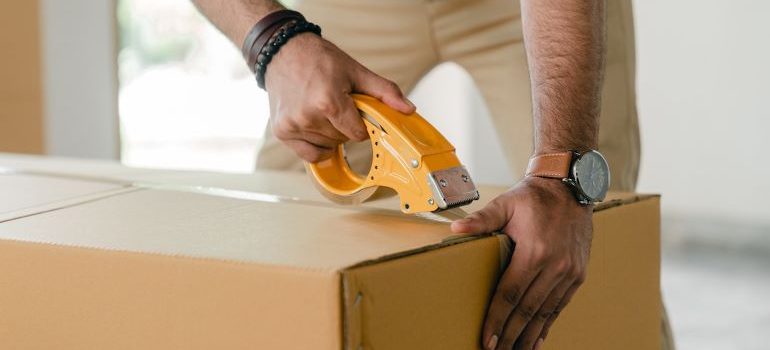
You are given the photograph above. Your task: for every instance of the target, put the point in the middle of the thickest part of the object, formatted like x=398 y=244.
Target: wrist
x=246 y=23
x=553 y=192
x=586 y=173
x=275 y=31
x=292 y=56
x=562 y=147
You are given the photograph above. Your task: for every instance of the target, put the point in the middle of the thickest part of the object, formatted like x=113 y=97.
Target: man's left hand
x=553 y=236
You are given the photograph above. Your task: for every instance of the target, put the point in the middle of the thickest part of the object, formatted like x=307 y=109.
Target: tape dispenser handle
x=334 y=175
x=406 y=150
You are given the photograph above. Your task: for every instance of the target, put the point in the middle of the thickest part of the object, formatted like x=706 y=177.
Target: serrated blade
x=452 y=187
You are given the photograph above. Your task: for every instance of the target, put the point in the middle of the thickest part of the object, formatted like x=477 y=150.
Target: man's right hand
x=309 y=83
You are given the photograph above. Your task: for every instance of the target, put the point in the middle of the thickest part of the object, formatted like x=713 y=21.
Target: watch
x=587 y=174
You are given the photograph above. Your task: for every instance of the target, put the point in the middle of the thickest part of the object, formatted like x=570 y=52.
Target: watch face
x=592 y=175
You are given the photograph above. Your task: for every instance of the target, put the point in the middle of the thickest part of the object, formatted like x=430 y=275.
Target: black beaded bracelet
x=280 y=38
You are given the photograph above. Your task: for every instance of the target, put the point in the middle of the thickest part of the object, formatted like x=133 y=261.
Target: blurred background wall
x=79 y=65
x=703 y=92
x=153 y=84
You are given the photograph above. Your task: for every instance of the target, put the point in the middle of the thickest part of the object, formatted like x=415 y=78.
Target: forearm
x=236 y=17
x=565 y=43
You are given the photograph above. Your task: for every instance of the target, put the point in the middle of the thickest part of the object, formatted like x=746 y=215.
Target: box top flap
x=298 y=185
x=252 y=226
x=24 y=194
x=281 y=183
x=205 y=226
x=83 y=168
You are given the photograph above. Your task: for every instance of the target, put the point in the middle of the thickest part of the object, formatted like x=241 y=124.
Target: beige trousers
x=403 y=40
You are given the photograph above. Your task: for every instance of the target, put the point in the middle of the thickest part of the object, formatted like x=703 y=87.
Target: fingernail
x=492 y=343
x=539 y=343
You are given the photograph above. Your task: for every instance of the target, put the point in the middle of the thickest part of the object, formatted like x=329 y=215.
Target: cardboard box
x=198 y=261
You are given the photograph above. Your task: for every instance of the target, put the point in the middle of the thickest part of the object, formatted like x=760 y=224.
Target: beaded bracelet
x=277 y=40
x=262 y=31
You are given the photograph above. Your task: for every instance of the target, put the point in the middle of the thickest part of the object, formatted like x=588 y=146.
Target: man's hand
x=309 y=83
x=552 y=233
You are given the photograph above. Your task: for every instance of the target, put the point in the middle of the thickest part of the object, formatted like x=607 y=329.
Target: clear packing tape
x=447 y=216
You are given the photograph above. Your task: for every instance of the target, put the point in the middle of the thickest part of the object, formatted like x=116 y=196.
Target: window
x=186 y=99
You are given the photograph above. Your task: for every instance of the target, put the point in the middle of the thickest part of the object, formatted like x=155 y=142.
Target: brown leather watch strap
x=553 y=165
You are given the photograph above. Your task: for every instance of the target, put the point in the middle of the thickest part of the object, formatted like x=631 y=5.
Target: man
x=310 y=81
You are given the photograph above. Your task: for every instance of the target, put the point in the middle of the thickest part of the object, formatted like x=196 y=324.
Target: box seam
x=171 y=256
x=66 y=203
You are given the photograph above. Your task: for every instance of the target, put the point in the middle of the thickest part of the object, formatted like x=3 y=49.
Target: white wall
x=704 y=86
x=704 y=103
x=80 y=78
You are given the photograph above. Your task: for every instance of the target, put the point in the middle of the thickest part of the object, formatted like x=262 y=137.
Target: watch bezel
x=583 y=197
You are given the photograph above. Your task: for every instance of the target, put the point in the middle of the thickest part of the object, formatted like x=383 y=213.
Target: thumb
x=382 y=89
x=491 y=218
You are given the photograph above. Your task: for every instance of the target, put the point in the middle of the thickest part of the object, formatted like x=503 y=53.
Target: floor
x=716 y=283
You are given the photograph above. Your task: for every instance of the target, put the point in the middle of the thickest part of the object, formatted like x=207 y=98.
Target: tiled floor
x=716 y=284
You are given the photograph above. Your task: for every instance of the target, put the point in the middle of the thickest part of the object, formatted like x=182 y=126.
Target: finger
x=327 y=132
x=316 y=119
x=562 y=304
x=526 y=310
x=491 y=218
x=367 y=82
x=305 y=137
x=532 y=333
x=318 y=139
x=510 y=289
x=323 y=138
x=308 y=151
x=348 y=121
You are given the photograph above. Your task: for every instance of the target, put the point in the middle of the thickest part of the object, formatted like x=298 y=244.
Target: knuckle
x=327 y=108
x=556 y=312
x=310 y=155
x=540 y=254
x=581 y=278
x=545 y=315
x=393 y=86
x=305 y=121
x=511 y=296
x=563 y=268
x=360 y=134
x=483 y=216
x=526 y=312
x=282 y=131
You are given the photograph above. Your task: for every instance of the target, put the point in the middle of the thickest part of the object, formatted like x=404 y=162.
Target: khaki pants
x=403 y=40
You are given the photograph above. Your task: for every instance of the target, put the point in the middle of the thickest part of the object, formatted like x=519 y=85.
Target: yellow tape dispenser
x=408 y=155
